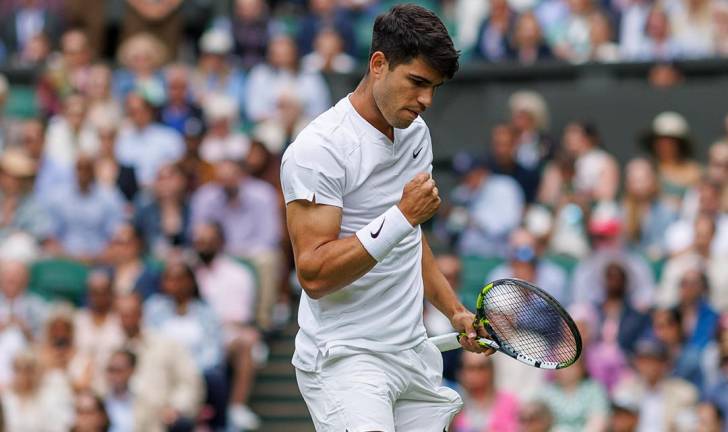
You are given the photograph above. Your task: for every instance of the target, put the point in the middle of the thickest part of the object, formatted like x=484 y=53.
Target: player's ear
x=377 y=64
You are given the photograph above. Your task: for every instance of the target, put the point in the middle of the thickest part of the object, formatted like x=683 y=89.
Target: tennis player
x=357 y=184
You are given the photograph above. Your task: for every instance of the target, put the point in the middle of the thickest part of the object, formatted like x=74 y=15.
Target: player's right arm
x=324 y=262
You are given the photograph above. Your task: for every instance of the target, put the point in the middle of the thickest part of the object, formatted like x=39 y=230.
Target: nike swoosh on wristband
x=376 y=234
x=417 y=152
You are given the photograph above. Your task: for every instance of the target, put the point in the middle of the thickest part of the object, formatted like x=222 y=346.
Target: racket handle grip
x=451 y=341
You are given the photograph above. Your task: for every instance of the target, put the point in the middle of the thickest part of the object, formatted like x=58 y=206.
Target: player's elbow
x=314 y=288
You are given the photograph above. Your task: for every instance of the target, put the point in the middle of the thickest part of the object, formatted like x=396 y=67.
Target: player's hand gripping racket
x=525 y=323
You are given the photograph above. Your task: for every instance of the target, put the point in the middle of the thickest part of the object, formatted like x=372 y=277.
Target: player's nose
x=425 y=98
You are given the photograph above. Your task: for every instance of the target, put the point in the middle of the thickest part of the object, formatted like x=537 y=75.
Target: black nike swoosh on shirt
x=417 y=152
x=376 y=234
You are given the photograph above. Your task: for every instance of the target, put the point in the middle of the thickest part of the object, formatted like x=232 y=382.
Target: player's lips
x=413 y=112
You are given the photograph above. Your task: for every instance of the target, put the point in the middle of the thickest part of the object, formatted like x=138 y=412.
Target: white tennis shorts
x=383 y=392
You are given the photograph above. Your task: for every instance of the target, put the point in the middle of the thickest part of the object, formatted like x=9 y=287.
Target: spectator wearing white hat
x=670 y=145
x=222 y=140
x=530 y=118
x=215 y=74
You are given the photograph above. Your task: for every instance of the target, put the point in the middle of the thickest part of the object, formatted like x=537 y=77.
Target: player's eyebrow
x=423 y=79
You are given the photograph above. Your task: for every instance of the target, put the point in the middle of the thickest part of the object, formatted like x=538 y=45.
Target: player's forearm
x=332 y=266
x=437 y=289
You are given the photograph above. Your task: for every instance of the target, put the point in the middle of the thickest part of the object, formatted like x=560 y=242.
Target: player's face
x=403 y=93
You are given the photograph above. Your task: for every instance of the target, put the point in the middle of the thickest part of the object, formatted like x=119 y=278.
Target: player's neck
x=363 y=102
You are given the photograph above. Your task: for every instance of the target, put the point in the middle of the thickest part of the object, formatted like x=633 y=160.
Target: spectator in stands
x=262 y=163
x=323 y=14
x=131 y=272
x=632 y=27
x=526 y=262
x=91 y=414
x=197 y=170
x=31 y=139
x=662 y=399
x=684 y=358
x=65 y=75
x=625 y=414
x=141 y=56
x=110 y=173
x=248 y=209
x=717 y=376
x=711 y=417
x=530 y=117
x=163 y=19
x=698 y=254
x=529 y=46
x=602 y=47
x=216 y=74
x=486 y=408
x=588 y=283
x=29 y=404
x=84 y=216
x=179 y=107
x=280 y=74
x=570 y=35
x=102 y=105
x=699 y=319
x=96 y=327
x=664 y=75
x=252 y=28
x=670 y=145
x=66 y=368
x=230 y=289
x=328 y=54
x=279 y=131
x=120 y=401
x=28 y=19
x=693 y=28
x=163 y=213
x=720 y=29
x=495 y=33
x=596 y=174
x=577 y=402
x=70 y=134
x=503 y=160
x=179 y=313
x=535 y=416
x=146 y=145
x=20 y=210
x=716 y=173
x=646 y=216
x=169 y=400
x=658 y=42
x=486 y=232
x=223 y=140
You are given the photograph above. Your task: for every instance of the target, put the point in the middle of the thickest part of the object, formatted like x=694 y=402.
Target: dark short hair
x=407 y=31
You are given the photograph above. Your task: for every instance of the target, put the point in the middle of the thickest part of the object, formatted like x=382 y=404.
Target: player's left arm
x=439 y=292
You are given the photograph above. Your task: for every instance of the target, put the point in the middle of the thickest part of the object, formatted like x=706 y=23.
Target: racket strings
x=527 y=323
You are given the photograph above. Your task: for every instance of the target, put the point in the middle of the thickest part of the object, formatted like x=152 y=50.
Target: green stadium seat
x=59 y=279
x=21 y=102
x=475 y=271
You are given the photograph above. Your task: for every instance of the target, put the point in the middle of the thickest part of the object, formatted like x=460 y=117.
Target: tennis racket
x=525 y=323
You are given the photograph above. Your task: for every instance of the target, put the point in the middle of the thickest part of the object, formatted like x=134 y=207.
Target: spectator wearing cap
x=178 y=107
x=662 y=398
x=252 y=28
x=526 y=262
x=230 y=289
x=168 y=388
x=529 y=115
x=161 y=18
x=215 y=73
x=670 y=145
x=494 y=36
x=503 y=160
x=323 y=14
x=249 y=212
x=20 y=209
x=67 y=74
x=588 y=283
x=485 y=406
x=163 y=213
x=328 y=54
x=144 y=144
x=486 y=232
x=84 y=215
x=646 y=215
x=280 y=74
x=141 y=57
x=222 y=140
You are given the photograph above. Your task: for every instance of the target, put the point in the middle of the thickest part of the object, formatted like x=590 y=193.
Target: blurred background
x=146 y=277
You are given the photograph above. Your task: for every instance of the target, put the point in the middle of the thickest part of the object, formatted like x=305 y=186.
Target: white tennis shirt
x=344 y=161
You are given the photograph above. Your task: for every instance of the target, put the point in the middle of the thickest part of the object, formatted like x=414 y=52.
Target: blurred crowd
x=144 y=260
x=637 y=254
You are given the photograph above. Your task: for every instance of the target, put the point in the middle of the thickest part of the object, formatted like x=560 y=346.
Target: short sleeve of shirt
x=313 y=173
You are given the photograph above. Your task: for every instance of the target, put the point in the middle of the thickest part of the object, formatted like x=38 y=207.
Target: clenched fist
x=420 y=199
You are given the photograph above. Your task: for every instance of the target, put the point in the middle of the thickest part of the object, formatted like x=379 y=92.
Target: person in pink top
x=485 y=407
